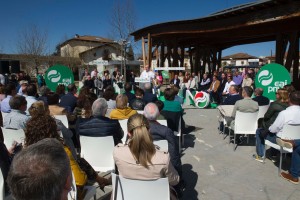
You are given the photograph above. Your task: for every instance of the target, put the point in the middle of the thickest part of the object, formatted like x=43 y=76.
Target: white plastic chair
x=63 y=119
x=289 y=132
x=2 y=192
x=123 y=124
x=98 y=151
x=262 y=110
x=146 y=189
x=163 y=122
x=3 y=115
x=245 y=123
x=91 y=191
x=11 y=135
x=163 y=144
x=179 y=135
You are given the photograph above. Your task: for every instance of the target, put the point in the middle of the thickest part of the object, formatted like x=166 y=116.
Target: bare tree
x=123 y=19
x=123 y=22
x=33 y=43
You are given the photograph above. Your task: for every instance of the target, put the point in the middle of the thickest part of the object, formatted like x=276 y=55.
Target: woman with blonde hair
x=122 y=111
x=139 y=159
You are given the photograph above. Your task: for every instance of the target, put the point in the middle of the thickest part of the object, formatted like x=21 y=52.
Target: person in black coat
x=261 y=100
x=175 y=81
x=148 y=95
x=69 y=100
x=223 y=82
x=99 y=125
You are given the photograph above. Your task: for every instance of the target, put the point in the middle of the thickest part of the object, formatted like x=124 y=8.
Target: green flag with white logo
x=165 y=74
x=270 y=78
x=57 y=75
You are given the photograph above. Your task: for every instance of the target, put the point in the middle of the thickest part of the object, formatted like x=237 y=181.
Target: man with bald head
x=259 y=98
x=148 y=95
x=161 y=132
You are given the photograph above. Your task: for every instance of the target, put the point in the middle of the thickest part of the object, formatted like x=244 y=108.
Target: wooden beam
x=291 y=51
x=149 y=50
x=144 y=52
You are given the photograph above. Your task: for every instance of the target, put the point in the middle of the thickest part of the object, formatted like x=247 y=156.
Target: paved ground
x=213 y=171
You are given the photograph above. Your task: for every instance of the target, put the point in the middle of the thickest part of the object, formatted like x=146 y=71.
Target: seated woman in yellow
x=139 y=159
x=122 y=111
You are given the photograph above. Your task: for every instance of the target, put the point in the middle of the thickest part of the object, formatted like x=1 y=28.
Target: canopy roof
x=248 y=23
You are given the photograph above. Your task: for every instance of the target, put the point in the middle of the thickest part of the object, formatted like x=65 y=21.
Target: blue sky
x=65 y=18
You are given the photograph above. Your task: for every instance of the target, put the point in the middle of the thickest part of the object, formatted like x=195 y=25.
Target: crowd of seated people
x=90 y=114
x=91 y=118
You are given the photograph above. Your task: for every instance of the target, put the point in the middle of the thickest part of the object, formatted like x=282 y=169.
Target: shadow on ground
x=190 y=179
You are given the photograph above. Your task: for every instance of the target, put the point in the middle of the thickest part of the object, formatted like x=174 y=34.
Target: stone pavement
x=213 y=171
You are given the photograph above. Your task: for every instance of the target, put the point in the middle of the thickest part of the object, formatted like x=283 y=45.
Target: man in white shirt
x=147 y=74
x=229 y=83
x=94 y=73
x=287 y=116
x=190 y=85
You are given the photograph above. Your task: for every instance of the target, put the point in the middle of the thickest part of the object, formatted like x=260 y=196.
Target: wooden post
x=162 y=55
x=291 y=51
x=144 y=53
x=281 y=44
x=149 y=50
x=296 y=79
x=219 y=59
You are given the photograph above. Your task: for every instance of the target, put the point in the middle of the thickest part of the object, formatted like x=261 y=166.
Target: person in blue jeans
x=281 y=103
x=288 y=116
x=294 y=172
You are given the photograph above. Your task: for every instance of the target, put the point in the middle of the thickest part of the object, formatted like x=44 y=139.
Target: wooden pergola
x=205 y=38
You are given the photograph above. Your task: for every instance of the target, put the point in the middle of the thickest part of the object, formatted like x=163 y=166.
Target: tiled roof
x=239 y=56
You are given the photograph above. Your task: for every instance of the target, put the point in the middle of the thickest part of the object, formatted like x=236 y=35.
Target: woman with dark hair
x=54 y=108
x=139 y=159
x=84 y=103
x=60 y=90
x=41 y=125
x=169 y=103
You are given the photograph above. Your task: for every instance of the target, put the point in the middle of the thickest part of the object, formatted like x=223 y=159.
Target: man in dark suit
x=175 y=81
x=161 y=132
x=148 y=95
x=69 y=100
x=99 y=125
x=223 y=82
x=261 y=100
x=233 y=96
